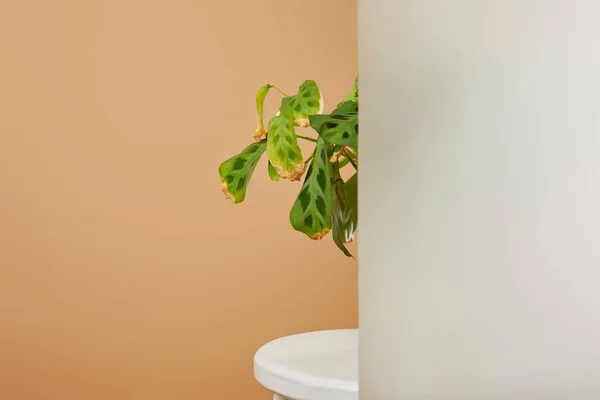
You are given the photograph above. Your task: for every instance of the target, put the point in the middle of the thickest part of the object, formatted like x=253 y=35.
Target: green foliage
x=283 y=150
x=326 y=203
x=236 y=172
x=345 y=214
x=273 y=175
x=307 y=102
x=340 y=127
x=313 y=210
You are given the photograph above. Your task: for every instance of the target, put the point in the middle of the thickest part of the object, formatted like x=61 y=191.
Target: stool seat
x=320 y=365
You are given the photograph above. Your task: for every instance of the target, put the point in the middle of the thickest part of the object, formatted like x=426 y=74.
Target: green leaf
x=345 y=214
x=260 y=133
x=337 y=235
x=273 y=175
x=351 y=211
x=283 y=150
x=236 y=172
x=340 y=127
x=313 y=210
x=307 y=102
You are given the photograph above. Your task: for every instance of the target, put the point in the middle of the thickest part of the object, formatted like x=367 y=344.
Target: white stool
x=310 y=366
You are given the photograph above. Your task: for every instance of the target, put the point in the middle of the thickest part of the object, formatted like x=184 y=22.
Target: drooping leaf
x=345 y=213
x=338 y=215
x=273 y=175
x=260 y=133
x=236 y=172
x=313 y=210
x=351 y=211
x=307 y=102
x=283 y=150
x=353 y=95
x=340 y=127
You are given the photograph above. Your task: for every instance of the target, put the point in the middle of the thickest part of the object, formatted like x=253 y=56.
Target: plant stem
x=279 y=90
x=307 y=138
x=350 y=159
x=309 y=158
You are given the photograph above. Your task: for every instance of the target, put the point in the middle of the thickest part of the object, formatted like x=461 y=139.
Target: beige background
x=124 y=273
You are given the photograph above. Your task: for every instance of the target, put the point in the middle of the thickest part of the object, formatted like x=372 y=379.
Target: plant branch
x=307 y=138
x=350 y=159
x=279 y=90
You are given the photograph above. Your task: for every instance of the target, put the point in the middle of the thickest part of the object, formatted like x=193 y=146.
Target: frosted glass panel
x=479 y=199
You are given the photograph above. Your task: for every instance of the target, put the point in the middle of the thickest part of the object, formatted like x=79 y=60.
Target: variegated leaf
x=283 y=150
x=307 y=102
x=313 y=210
x=340 y=127
x=236 y=172
x=260 y=133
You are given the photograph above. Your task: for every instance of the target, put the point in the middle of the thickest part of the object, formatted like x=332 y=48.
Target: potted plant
x=326 y=202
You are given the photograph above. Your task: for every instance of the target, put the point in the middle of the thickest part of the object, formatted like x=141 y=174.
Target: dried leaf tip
x=293 y=175
x=321 y=234
x=259 y=134
x=302 y=122
x=226 y=191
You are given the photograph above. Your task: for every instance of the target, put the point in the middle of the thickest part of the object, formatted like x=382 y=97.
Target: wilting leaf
x=351 y=211
x=283 y=150
x=307 y=102
x=273 y=175
x=345 y=213
x=260 y=133
x=313 y=210
x=337 y=215
x=340 y=127
x=236 y=172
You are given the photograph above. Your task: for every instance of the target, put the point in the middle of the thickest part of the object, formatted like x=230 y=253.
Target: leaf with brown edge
x=313 y=210
x=307 y=102
x=283 y=150
x=260 y=133
x=236 y=172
